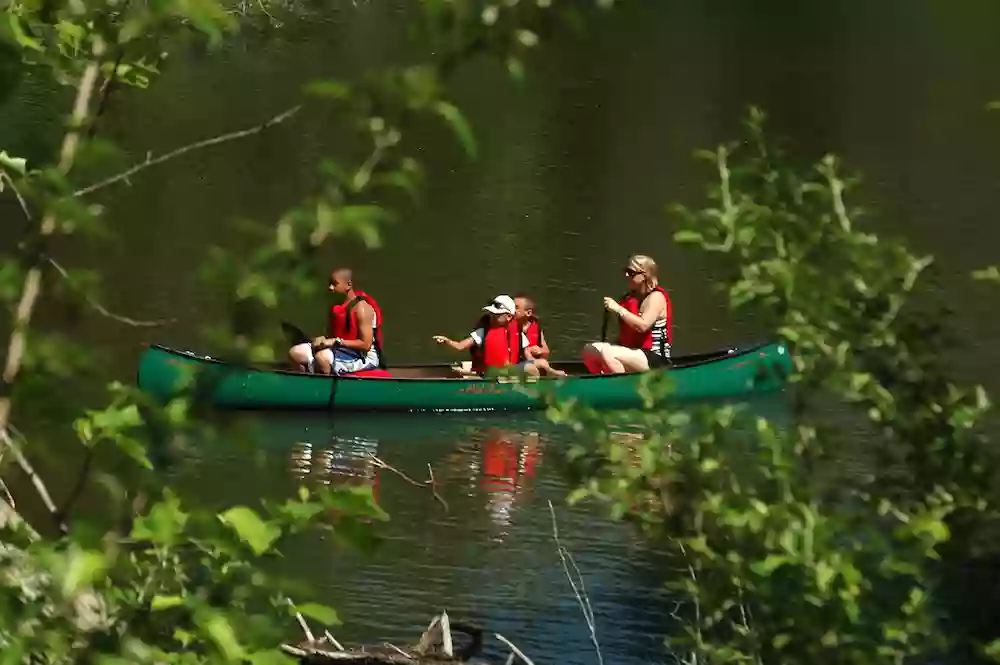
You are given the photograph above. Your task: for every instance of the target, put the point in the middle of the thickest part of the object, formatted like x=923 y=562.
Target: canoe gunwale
x=703 y=359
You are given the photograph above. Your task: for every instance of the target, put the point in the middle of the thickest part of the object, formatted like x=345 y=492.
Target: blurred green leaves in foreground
x=151 y=577
x=785 y=552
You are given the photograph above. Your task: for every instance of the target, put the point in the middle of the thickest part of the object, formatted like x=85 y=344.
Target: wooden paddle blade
x=295 y=334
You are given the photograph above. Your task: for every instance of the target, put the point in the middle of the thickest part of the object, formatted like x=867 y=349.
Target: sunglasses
x=629 y=272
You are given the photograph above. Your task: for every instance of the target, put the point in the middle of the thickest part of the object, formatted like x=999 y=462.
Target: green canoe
x=729 y=373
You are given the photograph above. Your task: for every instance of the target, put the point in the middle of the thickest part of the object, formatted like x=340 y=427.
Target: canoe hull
x=738 y=373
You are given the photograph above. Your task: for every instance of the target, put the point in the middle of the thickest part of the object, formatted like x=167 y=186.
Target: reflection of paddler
x=347 y=461
x=500 y=462
x=529 y=455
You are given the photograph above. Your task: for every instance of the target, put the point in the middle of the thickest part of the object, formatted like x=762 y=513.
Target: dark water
x=575 y=169
x=490 y=556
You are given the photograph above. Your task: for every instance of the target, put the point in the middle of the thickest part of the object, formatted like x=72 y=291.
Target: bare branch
x=17 y=194
x=398 y=650
x=101 y=309
x=36 y=480
x=581 y=592
x=697 y=604
x=198 y=145
x=333 y=640
x=431 y=483
x=81 y=482
x=302 y=622
x=6 y=493
x=446 y=643
x=32 y=287
x=514 y=649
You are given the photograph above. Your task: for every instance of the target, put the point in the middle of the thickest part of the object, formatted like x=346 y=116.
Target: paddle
x=295 y=334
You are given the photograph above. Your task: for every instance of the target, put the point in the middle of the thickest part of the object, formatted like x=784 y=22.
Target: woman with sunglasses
x=644 y=325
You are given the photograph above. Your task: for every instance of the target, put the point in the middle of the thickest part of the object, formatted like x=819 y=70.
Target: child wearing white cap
x=497 y=342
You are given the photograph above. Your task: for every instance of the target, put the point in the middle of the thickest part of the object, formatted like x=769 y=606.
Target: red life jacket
x=501 y=346
x=632 y=338
x=344 y=320
x=533 y=331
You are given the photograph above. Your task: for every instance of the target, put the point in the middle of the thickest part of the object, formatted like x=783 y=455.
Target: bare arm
x=366 y=332
x=542 y=350
x=653 y=307
x=464 y=345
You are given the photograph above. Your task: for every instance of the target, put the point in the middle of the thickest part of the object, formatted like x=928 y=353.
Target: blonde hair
x=647 y=266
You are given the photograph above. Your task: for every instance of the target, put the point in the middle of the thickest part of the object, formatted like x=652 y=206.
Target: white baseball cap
x=501 y=305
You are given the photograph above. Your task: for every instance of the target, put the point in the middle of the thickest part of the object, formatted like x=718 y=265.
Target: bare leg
x=543 y=365
x=301 y=357
x=530 y=368
x=593 y=358
x=324 y=361
x=610 y=360
x=621 y=359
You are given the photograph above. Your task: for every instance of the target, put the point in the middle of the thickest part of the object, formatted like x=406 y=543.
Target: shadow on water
x=490 y=558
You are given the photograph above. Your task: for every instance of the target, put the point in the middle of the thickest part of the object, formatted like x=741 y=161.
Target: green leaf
x=20 y=36
x=221 y=632
x=84 y=567
x=322 y=613
x=770 y=563
x=272 y=657
x=134 y=449
x=165 y=602
x=164 y=524
x=516 y=69
x=329 y=89
x=17 y=165
x=459 y=125
x=688 y=236
x=991 y=274
x=251 y=529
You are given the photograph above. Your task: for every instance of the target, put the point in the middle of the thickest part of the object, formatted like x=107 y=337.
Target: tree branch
x=81 y=482
x=431 y=483
x=36 y=480
x=101 y=309
x=513 y=649
x=581 y=592
x=32 y=287
x=198 y=145
x=17 y=194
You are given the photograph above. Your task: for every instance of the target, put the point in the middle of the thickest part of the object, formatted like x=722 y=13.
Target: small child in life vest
x=497 y=342
x=536 y=349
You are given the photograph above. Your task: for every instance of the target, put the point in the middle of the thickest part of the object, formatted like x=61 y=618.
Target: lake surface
x=489 y=557
x=574 y=171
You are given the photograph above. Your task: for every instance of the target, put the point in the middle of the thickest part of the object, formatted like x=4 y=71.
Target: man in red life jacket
x=497 y=342
x=536 y=349
x=355 y=333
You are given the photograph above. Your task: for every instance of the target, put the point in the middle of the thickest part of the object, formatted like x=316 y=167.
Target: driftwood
x=437 y=646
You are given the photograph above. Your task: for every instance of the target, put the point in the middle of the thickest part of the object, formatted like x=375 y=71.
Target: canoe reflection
x=342 y=460
x=499 y=466
x=480 y=463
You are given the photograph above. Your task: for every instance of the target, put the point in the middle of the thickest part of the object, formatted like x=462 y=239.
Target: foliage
x=155 y=579
x=786 y=556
